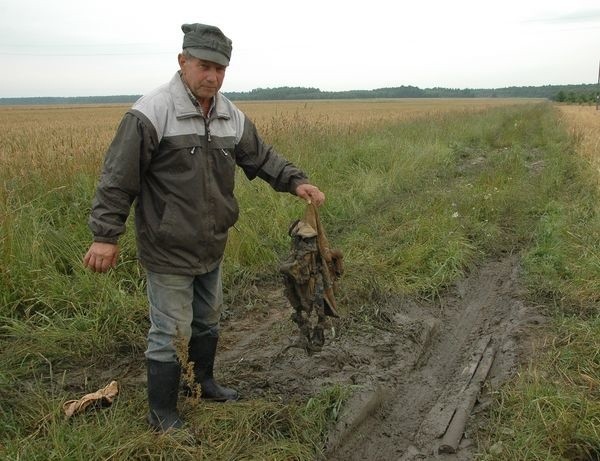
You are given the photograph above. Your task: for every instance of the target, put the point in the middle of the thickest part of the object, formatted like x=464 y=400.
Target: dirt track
x=409 y=376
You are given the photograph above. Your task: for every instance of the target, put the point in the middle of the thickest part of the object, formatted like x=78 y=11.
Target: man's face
x=203 y=77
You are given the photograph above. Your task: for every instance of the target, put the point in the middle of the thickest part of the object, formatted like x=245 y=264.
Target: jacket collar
x=184 y=108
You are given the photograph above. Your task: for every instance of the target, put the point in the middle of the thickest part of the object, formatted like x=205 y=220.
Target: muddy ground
x=409 y=375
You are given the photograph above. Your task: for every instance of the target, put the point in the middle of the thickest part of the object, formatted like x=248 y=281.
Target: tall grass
x=551 y=410
x=413 y=202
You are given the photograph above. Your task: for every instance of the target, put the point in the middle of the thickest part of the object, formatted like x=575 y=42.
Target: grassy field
x=409 y=201
x=551 y=410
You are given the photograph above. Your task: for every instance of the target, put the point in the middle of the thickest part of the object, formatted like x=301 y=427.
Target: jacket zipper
x=207 y=128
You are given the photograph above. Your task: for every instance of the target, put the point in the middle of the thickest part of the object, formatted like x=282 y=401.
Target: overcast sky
x=108 y=47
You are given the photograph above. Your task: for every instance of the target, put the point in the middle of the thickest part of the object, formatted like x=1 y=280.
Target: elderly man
x=175 y=151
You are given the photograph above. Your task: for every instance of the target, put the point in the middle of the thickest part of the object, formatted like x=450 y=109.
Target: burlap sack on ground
x=101 y=398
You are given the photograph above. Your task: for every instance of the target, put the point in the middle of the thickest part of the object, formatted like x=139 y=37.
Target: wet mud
x=411 y=379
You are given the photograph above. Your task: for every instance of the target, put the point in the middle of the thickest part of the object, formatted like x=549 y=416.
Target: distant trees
x=576 y=97
x=573 y=94
x=52 y=100
x=299 y=93
x=579 y=94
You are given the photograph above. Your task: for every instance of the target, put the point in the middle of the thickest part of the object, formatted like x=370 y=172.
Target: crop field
x=583 y=122
x=461 y=221
x=69 y=139
x=368 y=111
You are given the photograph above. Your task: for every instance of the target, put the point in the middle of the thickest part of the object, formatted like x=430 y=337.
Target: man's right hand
x=101 y=256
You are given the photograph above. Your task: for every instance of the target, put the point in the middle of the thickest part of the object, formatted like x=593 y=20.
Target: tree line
x=579 y=94
x=564 y=93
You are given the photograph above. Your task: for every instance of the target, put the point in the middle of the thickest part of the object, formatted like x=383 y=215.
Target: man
x=175 y=151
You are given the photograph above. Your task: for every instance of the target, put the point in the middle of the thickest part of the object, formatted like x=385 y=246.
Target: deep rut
x=485 y=308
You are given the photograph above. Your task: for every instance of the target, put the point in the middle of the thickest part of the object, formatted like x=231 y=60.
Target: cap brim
x=208 y=55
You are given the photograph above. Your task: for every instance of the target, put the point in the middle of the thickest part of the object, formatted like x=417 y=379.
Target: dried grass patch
x=584 y=124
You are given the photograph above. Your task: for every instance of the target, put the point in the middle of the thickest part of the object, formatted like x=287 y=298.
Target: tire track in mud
x=412 y=419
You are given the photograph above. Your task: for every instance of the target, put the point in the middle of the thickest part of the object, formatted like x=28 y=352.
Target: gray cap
x=207 y=42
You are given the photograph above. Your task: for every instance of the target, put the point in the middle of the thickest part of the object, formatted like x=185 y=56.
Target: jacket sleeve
x=259 y=159
x=126 y=160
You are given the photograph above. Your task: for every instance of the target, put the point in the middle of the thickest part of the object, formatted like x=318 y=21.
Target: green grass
x=551 y=410
x=257 y=429
x=413 y=205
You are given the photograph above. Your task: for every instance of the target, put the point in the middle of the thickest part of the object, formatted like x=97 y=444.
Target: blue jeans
x=182 y=306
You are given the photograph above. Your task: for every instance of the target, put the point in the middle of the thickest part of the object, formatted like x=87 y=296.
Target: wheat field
x=63 y=140
x=584 y=124
x=357 y=112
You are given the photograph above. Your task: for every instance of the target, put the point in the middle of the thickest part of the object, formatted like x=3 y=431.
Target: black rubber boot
x=163 y=387
x=202 y=351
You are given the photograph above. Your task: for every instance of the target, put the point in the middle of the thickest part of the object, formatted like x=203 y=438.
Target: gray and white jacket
x=181 y=168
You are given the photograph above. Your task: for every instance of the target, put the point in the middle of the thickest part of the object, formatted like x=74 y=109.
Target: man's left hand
x=311 y=194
